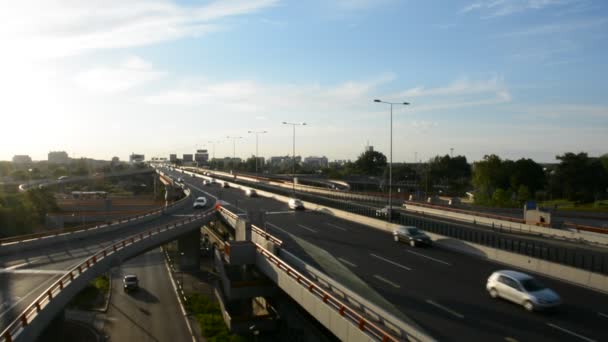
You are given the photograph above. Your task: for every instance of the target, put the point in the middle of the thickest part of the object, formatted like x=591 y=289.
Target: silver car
x=523 y=289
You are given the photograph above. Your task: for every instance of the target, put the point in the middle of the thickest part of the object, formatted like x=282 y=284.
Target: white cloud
x=561 y=27
x=497 y=8
x=463 y=86
x=132 y=72
x=63 y=28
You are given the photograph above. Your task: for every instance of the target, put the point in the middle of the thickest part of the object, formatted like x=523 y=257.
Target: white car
x=522 y=289
x=295 y=204
x=200 y=202
x=251 y=193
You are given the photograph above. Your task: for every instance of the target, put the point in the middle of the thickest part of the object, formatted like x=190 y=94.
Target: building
x=58 y=157
x=187 y=158
x=173 y=158
x=22 y=159
x=115 y=161
x=316 y=162
x=136 y=158
x=281 y=161
x=201 y=156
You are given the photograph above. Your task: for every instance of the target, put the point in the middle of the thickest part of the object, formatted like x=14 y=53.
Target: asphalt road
x=442 y=291
x=24 y=276
x=151 y=313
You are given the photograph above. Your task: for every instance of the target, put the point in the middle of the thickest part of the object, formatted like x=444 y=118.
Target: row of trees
x=577 y=177
x=23 y=213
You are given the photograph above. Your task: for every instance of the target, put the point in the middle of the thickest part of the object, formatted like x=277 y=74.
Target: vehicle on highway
x=200 y=202
x=225 y=184
x=295 y=204
x=180 y=180
x=206 y=182
x=130 y=282
x=62 y=178
x=251 y=193
x=383 y=213
x=412 y=235
x=523 y=289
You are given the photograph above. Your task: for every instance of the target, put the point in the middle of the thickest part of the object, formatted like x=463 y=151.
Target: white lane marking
x=279 y=212
x=448 y=310
x=24 y=263
x=391 y=262
x=337 y=227
x=570 y=332
x=386 y=281
x=182 y=215
x=428 y=257
x=510 y=339
x=179 y=301
x=203 y=191
x=307 y=228
x=32 y=271
x=602 y=314
x=347 y=262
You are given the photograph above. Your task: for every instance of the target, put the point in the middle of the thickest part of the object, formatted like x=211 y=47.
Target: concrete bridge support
x=189 y=251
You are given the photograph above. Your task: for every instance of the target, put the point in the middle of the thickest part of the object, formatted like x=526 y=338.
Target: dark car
x=130 y=282
x=412 y=235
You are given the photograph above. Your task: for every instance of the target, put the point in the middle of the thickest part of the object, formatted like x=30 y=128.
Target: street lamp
x=390 y=165
x=293 y=161
x=257 y=133
x=234 y=139
x=213 y=147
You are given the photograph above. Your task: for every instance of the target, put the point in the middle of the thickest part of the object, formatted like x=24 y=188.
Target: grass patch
x=209 y=317
x=93 y=295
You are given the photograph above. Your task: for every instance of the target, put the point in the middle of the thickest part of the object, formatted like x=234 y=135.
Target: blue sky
x=519 y=78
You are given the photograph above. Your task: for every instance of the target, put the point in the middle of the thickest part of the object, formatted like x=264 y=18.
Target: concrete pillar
x=242 y=230
x=188 y=251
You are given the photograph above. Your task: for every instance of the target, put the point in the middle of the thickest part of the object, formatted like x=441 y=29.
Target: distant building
x=187 y=158
x=281 y=161
x=58 y=157
x=173 y=158
x=201 y=156
x=136 y=158
x=369 y=148
x=22 y=159
x=115 y=161
x=316 y=162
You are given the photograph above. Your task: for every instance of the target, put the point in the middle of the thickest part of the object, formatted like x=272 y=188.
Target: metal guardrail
x=26 y=237
x=345 y=311
x=29 y=314
x=267 y=236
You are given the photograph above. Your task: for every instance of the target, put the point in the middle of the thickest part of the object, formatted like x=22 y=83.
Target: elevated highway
x=440 y=289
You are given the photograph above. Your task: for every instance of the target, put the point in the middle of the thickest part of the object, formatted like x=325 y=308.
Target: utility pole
x=257 y=133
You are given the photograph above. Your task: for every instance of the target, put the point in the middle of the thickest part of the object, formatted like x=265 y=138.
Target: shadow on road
x=144 y=295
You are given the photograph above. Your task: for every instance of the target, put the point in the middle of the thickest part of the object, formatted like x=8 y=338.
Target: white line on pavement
x=337 y=227
x=602 y=314
x=307 y=228
x=386 y=281
x=391 y=262
x=279 y=212
x=510 y=339
x=347 y=262
x=448 y=310
x=570 y=332
x=428 y=257
x=182 y=215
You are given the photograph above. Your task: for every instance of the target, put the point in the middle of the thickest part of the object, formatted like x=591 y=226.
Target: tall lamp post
x=234 y=139
x=212 y=142
x=257 y=133
x=293 y=161
x=390 y=165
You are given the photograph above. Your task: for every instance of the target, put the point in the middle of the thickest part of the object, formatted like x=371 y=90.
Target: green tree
x=528 y=173
x=371 y=163
x=523 y=194
x=579 y=178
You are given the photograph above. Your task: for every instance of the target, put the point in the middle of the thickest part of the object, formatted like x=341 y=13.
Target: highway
x=151 y=313
x=442 y=291
x=24 y=276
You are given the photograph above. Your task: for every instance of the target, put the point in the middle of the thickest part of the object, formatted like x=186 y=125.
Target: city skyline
x=517 y=78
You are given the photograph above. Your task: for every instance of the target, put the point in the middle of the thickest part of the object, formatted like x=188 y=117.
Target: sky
x=104 y=78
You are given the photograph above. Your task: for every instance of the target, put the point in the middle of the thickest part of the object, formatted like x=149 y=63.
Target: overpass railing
x=27 y=317
x=81 y=229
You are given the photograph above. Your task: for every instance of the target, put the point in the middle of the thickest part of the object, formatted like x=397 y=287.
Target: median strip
x=391 y=262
